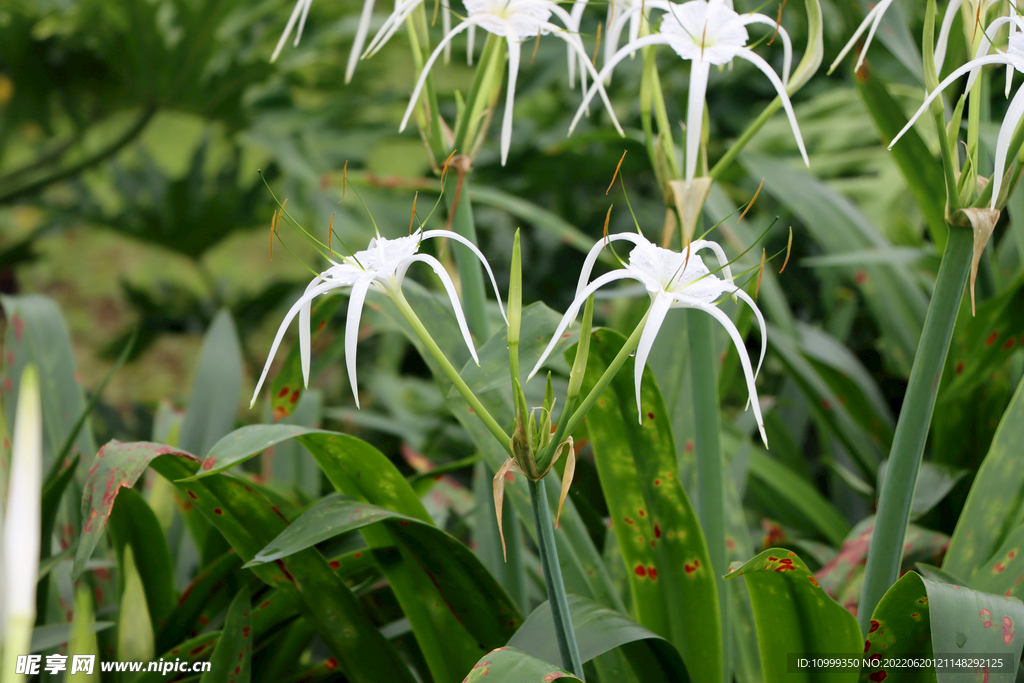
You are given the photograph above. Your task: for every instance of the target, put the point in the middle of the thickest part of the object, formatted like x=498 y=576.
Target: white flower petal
x=357 y=45
x=741 y=350
x=723 y=260
x=947 y=25
x=595 y=251
x=292 y=312
x=448 y=234
x=1014 y=113
x=787 y=45
x=513 y=73
x=760 y=321
x=302 y=22
x=304 y=334
x=391 y=25
x=449 y=287
x=574 y=42
x=985 y=45
x=355 y=310
x=872 y=19
x=695 y=114
x=426 y=69
x=974 y=63
x=655 y=317
x=574 y=309
x=299 y=7
x=767 y=70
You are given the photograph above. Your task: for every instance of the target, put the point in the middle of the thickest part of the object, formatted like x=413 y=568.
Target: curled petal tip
x=252 y=402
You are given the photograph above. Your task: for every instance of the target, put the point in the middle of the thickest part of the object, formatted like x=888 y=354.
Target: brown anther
x=789 y=249
x=597 y=45
x=536 y=44
x=760 y=272
x=413 y=216
x=444 y=170
x=330 y=231
x=778 y=22
x=751 y=201
x=687 y=261
x=616 y=174
x=607 y=217
x=433 y=19
x=344 y=180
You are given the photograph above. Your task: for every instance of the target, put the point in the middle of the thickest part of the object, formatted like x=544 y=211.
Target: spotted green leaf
x=512 y=666
x=231 y=660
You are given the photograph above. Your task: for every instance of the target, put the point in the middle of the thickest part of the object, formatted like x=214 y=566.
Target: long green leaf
x=512 y=666
x=248 y=521
x=794 y=615
x=600 y=630
x=673 y=588
x=231 y=660
x=995 y=505
x=213 y=403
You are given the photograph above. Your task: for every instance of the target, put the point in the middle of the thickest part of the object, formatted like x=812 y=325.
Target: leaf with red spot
x=248 y=522
x=995 y=504
x=196 y=598
x=509 y=665
x=1004 y=573
x=232 y=658
x=630 y=457
x=193 y=650
x=288 y=384
x=794 y=614
x=918 y=617
x=476 y=602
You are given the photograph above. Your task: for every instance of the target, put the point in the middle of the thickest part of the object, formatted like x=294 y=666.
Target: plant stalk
x=708 y=450
x=886 y=548
x=449 y=370
x=564 y=632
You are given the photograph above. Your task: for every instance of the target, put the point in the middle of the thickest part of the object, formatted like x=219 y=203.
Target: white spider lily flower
x=302 y=10
x=516 y=21
x=1013 y=57
x=673 y=280
x=874 y=18
x=705 y=33
x=381 y=267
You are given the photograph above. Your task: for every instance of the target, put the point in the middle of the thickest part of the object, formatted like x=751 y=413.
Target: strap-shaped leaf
x=512 y=666
x=231 y=660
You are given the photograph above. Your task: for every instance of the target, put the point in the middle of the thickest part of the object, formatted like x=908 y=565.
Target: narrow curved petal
x=947 y=26
x=766 y=69
x=575 y=16
x=877 y=10
x=655 y=39
x=574 y=309
x=391 y=25
x=787 y=45
x=573 y=41
x=510 y=97
x=470 y=44
x=760 y=321
x=426 y=70
x=288 y=27
x=974 y=63
x=695 y=113
x=292 y=312
x=723 y=260
x=1009 y=69
x=655 y=317
x=357 y=45
x=302 y=22
x=985 y=45
x=355 y=311
x=595 y=251
x=476 y=252
x=741 y=351
x=446 y=27
x=634 y=27
x=304 y=314
x=871 y=34
x=449 y=288
x=613 y=31
x=1014 y=113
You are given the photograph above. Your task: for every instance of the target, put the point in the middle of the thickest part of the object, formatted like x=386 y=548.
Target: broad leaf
x=794 y=615
x=512 y=666
x=231 y=660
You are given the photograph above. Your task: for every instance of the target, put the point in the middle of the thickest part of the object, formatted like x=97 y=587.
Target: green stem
x=449 y=370
x=474 y=299
x=566 y=426
x=711 y=503
x=948 y=165
x=564 y=632
x=737 y=147
x=908 y=443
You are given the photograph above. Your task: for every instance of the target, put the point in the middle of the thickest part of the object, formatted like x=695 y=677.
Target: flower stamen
x=789 y=249
x=760 y=273
x=778 y=22
x=597 y=44
x=616 y=175
x=751 y=204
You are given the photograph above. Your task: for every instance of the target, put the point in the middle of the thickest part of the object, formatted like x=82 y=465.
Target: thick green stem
x=449 y=370
x=474 y=300
x=908 y=443
x=737 y=147
x=711 y=502
x=564 y=632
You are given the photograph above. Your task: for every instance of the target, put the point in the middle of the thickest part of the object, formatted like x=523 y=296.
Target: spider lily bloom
x=705 y=33
x=1013 y=57
x=673 y=280
x=516 y=21
x=381 y=267
x=302 y=10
